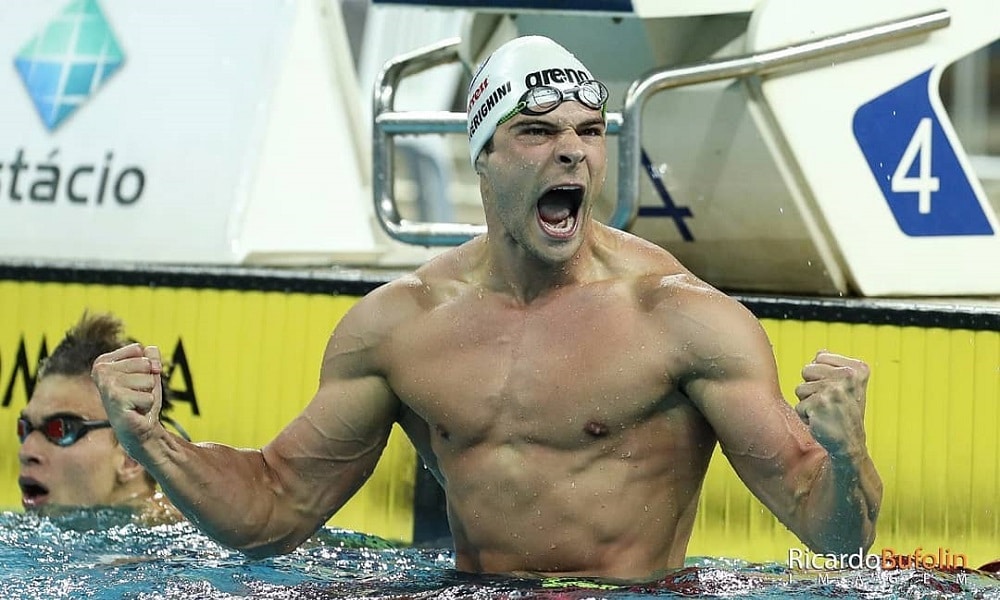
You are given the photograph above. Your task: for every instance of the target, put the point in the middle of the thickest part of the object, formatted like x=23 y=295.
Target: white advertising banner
x=134 y=130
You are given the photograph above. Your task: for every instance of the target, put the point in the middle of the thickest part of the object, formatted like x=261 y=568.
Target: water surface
x=104 y=555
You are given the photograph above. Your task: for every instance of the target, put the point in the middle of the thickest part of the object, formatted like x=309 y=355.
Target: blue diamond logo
x=69 y=61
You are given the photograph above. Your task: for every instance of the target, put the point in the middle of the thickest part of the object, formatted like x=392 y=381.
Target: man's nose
x=570 y=151
x=29 y=452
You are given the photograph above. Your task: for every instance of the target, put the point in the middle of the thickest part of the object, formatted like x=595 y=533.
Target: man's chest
x=559 y=376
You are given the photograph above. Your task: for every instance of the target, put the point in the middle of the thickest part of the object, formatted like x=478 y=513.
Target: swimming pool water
x=103 y=555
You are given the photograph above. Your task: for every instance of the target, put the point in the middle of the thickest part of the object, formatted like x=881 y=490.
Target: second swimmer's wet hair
x=92 y=336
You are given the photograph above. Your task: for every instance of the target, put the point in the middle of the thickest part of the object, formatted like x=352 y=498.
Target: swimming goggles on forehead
x=545 y=98
x=61 y=430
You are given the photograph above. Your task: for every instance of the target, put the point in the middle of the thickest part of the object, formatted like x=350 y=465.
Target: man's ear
x=129 y=469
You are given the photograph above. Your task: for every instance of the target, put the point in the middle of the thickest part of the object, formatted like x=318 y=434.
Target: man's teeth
x=564 y=225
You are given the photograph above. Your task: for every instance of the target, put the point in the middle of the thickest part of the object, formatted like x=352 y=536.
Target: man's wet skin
x=543 y=413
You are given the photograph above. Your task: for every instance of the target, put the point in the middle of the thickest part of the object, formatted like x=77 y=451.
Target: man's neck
x=526 y=278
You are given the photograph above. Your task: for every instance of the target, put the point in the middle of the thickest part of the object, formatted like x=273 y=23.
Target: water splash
x=104 y=555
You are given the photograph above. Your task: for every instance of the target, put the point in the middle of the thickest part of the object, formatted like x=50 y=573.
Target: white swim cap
x=504 y=77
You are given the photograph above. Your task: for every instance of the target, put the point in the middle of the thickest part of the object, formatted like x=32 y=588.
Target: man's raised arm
x=811 y=469
x=264 y=501
x=832 y=401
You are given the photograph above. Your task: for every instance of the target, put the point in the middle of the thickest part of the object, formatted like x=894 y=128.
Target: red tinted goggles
x=61 y=430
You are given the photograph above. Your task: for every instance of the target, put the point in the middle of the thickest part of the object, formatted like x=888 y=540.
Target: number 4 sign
x=914 y=162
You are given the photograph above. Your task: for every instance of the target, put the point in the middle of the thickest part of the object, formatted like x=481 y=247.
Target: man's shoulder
x=658 y=272
x=640 y=257
x=422 y=289
x=680 y=290
x=661 y=281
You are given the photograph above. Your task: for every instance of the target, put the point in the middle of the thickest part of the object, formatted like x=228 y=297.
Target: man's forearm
x=226 y=492
x=844 y=505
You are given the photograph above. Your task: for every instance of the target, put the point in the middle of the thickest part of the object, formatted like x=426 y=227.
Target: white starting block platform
x=792 y=146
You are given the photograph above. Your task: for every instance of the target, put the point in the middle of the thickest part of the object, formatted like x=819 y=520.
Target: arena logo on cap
x=550 y=76
x=487 y=106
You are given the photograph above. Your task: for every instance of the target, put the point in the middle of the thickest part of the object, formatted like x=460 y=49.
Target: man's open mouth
x=33 y=493
x=558 y=211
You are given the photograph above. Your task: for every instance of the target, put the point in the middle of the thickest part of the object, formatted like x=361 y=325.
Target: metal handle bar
x=629 y=151
x=388 y=123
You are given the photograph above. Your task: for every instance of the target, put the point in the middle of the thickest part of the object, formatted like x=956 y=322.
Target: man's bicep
x=755 y=426
x=354 y=408
x=326 y=453
x=323 y=456
x=759 y=432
